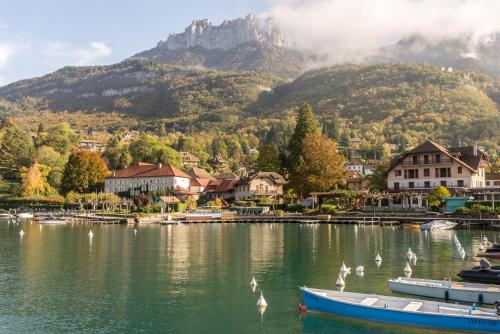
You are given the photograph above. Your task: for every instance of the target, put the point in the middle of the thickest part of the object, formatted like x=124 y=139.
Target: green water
x=195 y=278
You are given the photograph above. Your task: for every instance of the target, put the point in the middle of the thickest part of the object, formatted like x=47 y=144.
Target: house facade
x=260 y=185
x=430 y=165
x=147 y=177
x=189 y=159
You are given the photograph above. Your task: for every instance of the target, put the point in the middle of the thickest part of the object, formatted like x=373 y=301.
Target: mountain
x=144 y=89
x=462 y=53
x=248 y=44
x=401 y=103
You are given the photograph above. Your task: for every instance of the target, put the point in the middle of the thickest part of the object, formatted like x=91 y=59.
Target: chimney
x=159 y=165
x=474 y=150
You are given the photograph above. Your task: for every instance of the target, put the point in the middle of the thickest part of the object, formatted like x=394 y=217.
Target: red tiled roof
x=149 y=170
x=222 y=186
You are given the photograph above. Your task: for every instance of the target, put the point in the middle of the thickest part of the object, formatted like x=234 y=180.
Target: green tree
x=378 y=180
x=125 y=158
x=268 y=159
x=435 y=197
x=306 y=125
x=61 y=138
x=16 y=151
x=148 y=148
x=84 y=172
x=322 y=168
x=47 y=156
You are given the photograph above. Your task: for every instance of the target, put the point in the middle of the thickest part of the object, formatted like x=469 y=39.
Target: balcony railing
x=264 y=193
x=420 y=186
x=420 y=162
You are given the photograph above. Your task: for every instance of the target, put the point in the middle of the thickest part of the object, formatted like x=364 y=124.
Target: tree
x=148 y=148
x=61 y=138
x=16 y=151
x=322 y=168
x=46 y=155
x=33 y=182
x=268 y=159
x=190 y=204
x=85 y=171
x=306 y=125
x=125 y=158
x=435 y=197
x=378 y=180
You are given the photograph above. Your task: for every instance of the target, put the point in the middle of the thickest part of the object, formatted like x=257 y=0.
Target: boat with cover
x=437 y=225
x=403 y=311
x=446 y=289
x=483 y=273
x=6 y=215
x=51 y=220
x=25 y=215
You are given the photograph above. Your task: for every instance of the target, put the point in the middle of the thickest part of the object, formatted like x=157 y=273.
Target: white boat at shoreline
x=6 y=215
x=52 y=221
x=448 y=290
x=25 y=215
x=438 y=225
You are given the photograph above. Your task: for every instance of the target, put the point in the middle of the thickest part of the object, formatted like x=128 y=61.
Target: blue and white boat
x=402 y=311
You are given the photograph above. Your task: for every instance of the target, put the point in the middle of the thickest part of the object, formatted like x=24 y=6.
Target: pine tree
x=306 y=125
x=268 y=160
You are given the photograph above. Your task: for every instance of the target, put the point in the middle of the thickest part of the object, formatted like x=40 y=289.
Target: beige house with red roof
x=260 y=185
x=430 y=165
x=147 y=177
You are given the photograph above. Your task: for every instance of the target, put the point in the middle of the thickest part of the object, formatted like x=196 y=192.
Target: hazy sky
x=39 y=36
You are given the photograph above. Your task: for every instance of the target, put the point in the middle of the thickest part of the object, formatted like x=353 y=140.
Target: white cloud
x=6 y=51
x=78 y=56
x=349 y=28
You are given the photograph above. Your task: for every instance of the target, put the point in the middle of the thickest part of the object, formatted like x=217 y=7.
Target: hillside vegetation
x=398 y=103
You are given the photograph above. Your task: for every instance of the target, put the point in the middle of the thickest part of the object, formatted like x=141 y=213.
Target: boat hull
x=397 y=317
x=476 y=275
x=52 y=222
x=439 y=291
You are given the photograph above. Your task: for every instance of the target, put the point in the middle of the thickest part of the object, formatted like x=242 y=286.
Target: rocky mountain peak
x=227 y=35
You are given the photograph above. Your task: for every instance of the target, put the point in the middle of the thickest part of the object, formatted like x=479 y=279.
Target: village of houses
x=410 y=177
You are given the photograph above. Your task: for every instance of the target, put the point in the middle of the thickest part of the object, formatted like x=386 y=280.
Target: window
x=438 y=158
x=427 y=184
x=396 y=185
x=406 y=174
x=460 y=183
x=415 y=159
x=487 y=183
x=459 y=170
x=411 y=185
x=427 y=172
x=397 y=172
x=426 y=159
x=443 y=183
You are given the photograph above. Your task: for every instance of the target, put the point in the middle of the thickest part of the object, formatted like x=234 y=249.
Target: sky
x=40 y=36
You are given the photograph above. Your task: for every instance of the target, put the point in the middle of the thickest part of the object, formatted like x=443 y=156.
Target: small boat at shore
x=6 y=215
x=492 y=252
x=52 y=221
x=402 y=311
x=25 y=215
x=438 y=225
x=448 y=290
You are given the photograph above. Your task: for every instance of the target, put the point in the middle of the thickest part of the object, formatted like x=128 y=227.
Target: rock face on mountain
x=243 y=44
x=228 y=35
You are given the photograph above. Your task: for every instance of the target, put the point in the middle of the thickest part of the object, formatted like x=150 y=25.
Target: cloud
x=6 y=51
x=78 y=56
x=346 y=29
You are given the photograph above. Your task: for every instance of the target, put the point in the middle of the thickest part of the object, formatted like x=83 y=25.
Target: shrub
x=295 y=208
x=482 y=209
x=328 y=208
x=462 y=210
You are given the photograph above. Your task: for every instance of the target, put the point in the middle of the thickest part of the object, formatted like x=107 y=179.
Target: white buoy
x=407 y=268
x=462 y=253
x=481 y=247
x=409 y=253
x=21 y=233
x=253 y=282
x=135 y=231
x=360 y=271
x=261 y=302
x=414 y=259
x=378 y=258
x=91 y=235
x=360 y=268
x=485 y=240
x=344 y=269
x=340 y=281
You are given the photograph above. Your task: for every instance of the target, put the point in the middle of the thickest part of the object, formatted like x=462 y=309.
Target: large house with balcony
x=147 y=177
x=430 y=165
x=260 y=185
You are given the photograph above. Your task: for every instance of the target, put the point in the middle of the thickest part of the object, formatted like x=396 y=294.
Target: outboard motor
x=484 y=264
x=497 y=306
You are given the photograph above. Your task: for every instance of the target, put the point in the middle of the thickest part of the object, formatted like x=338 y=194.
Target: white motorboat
x=6 y=215
x=25 y=215
x=448 y=290
x=437 y=225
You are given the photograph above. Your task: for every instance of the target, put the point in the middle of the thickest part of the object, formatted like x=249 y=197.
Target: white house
x=147 y=177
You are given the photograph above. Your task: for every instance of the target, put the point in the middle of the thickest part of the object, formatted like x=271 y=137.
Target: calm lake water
x=195 y=278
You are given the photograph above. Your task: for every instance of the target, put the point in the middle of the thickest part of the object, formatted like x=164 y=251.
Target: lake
x=195 y=278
